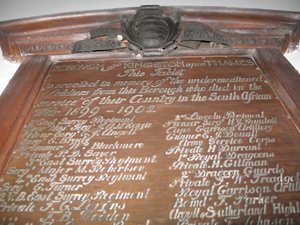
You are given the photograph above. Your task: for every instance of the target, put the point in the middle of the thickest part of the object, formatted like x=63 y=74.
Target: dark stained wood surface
x=205 y=136
x=244 y=170
x=56 y=34
x=284 y=80
x=17 y=100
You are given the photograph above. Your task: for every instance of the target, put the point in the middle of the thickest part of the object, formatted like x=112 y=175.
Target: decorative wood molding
x=56 y=34
x=283 y=79
x=18 y=99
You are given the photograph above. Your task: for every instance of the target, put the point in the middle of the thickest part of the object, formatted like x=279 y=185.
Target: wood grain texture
x=284 y=80
x=47 y=92
x=17 y=100
x=56 y=34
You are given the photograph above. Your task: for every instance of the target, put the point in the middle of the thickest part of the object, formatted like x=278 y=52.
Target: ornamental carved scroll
x=150 y=32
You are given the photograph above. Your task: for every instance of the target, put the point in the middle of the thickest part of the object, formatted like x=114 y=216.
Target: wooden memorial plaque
x=193 y=137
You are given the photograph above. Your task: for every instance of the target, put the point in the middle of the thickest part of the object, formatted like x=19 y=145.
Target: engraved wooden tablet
x=194 y=137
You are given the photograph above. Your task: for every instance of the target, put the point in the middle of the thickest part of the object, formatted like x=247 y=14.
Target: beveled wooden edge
x=283 y=79
x=56 y=34
x=22 y=91
x=17 y=100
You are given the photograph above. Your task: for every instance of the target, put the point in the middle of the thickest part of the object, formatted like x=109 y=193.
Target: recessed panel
x=179 y=140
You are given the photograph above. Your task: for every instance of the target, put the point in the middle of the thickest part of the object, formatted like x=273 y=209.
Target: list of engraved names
x=187 y=141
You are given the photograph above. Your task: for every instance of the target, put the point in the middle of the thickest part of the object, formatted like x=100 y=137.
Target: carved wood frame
x=41 y=42
x=56 y=34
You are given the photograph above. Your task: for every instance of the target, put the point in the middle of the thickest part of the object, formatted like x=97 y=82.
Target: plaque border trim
x=56 y=34
x=18 y=99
